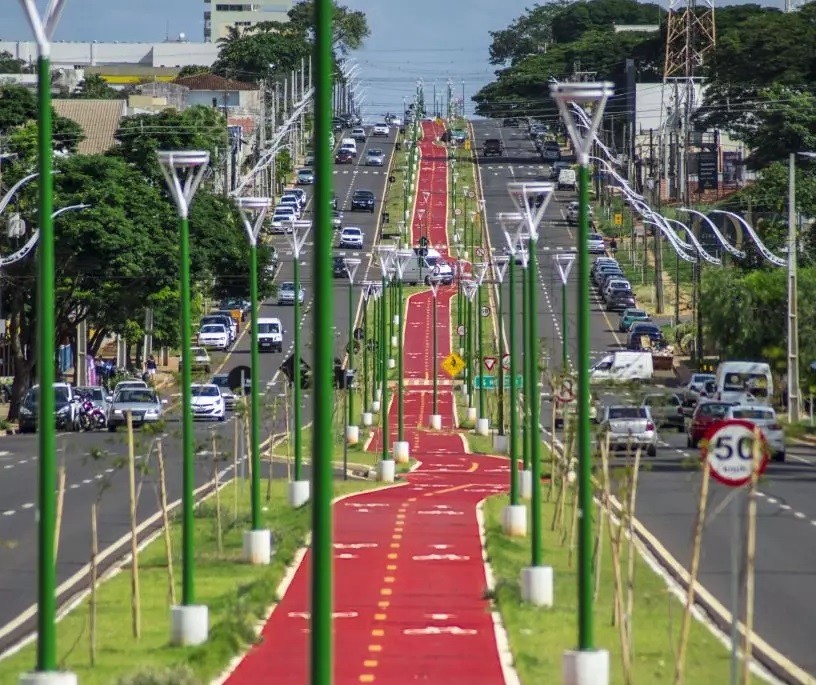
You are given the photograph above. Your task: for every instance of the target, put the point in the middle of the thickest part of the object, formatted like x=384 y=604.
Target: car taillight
x=649 y=426
x=775 y=427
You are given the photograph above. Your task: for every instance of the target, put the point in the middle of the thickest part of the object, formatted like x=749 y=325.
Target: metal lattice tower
x=690 y=36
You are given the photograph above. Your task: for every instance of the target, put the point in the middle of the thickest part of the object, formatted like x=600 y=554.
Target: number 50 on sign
x=729 y=451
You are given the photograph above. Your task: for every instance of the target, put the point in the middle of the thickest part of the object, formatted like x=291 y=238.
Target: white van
x=567 y=179
x=349 y=144
x=428 y=268
x=270 y=335
x=623 y=366
x=744 y=382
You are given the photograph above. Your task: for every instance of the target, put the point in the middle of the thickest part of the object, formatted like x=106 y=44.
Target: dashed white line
x=9 y=512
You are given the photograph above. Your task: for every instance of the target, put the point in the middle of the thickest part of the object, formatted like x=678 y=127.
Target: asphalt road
x=668 y=488
x=93 y=460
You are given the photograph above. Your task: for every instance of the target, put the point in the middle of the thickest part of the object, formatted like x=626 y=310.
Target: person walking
x=151 y=366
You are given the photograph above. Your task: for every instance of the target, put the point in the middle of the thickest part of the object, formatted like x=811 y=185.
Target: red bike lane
x=431 y=210
x=409 y=577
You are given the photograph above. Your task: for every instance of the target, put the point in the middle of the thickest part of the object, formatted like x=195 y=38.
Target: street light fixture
x=500 y=264
x=479 y=270
x=531 y=200
x=299 y=489
x=257 y=541
x=401 y=446
x=367 y=416
x=563 y=262
x=183 y=171
x=470 y=287
x=387 y=468
x=586 y=664
x=514 y=517
x=352 y=429
x=376 y=390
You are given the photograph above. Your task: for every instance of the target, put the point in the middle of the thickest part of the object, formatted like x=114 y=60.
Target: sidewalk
x=409 y=577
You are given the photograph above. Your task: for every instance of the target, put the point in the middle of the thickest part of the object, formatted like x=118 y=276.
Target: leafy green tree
x=350 y=26
x=9 y=64
x=18 y=108
x=193 y=70
x=94 y=87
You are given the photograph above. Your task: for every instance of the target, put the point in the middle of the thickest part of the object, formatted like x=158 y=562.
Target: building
x=99 y=120
x=172 y=54
x=220 y=16
x=216 y=91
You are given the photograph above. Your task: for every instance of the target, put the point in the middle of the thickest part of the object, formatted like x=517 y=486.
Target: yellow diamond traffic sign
x=453 y=364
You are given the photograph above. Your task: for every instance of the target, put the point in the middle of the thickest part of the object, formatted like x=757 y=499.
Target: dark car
x=644 y=330
x=222 y=381
x=620 y=299
x=363 y=200
x=510 y=122
x=492 y=147
x=706 y=414
x=65 y=411
x=666 y=410
x=344 y=157
x=339 y=269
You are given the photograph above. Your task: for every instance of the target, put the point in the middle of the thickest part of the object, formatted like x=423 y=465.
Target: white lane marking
x=9 y=512
x=27 y=505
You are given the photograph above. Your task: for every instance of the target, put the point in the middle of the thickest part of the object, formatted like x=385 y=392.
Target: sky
x=430 y=39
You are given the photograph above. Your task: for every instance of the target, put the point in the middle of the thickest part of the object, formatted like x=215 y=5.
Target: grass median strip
x=539 y=637
x=237 y=594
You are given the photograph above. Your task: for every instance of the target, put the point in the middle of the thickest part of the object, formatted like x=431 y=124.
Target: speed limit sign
x=728 y=447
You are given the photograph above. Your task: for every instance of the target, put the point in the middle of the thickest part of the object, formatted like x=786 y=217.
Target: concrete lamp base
x=368 y=418
x=514 y=520
x=537 y=585
x=471 y=414
x=386 y=471
x=48 y=678
x=526 y=483
x=402 y=451
x=500 y=443
x=375 y=407
x=585 y=668
x=483 y=427
x=352 y=435
x=298 y=493
x=392 y=363
x=436 y=422
x=189 y=625
x=257 y=547
x=394 y=341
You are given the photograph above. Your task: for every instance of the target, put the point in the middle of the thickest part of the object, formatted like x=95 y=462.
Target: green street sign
x=519 y=381
x=489 y=382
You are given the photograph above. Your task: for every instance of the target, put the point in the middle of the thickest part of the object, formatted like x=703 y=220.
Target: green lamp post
x=352 y=429
x=585 y=664
x=387 y=468
x=514 y=517
x=183 y=171
x=257 y=541
x=299 y=489
x=563 y=262
x=531 y=200
x=500 y=264
x=436 y=417
x=479 y=270
x=367 y=417
x=469 y=288
x=376 y=378
x=401 y=445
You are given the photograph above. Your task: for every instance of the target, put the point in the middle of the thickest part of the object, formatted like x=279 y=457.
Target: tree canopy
x=94 y=87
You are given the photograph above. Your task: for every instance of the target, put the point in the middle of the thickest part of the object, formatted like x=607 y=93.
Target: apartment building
x=220 y=16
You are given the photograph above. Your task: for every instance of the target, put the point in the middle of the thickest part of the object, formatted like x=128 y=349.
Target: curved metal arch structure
x=585 y=120
x=711 y=259
x=764 y=251
x=23 y=252
x=739 y=254
x=674 y=240
x=7 y=198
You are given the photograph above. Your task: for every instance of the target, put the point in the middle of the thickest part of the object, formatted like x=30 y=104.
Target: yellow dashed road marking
x=366 y=678
x=375 y=648
x=380 y=617
x=370 y=663
x=392 y=555
x=377 y=632
x=386 y=591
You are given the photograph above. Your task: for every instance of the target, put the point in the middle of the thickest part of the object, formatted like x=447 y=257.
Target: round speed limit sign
x=729 y=451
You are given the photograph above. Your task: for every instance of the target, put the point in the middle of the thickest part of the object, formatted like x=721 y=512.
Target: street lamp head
x=563 y=262
x=401 y=259
x=470 y=288
x=351 y=264
x=386 y=255
x=500 y=264
x=252 y=204
x=183 y=171
x=297 y=238
x=581 y=93
x=531 y=200
x=479 y=270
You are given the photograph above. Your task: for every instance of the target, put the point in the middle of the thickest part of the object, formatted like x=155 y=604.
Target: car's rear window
x=627 y=413
x=760 y=414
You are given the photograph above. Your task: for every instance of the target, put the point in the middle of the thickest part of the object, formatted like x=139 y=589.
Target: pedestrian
x=613 y=246
x=151 y=366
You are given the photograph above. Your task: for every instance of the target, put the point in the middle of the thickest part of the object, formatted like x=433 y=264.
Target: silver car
x=143 y=404
x=765 y=419
x=631 y=427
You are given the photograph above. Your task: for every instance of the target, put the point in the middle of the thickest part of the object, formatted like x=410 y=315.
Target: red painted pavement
x=408 y=571
x=433 y=179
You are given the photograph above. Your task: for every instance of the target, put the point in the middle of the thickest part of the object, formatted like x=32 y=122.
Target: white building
x=69 y=55
x=220 y=16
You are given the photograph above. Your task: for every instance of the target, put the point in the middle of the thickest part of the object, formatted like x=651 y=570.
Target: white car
x=352 y=237
x=214 y=335
x=630 y=427
x=765 y=418
x=596 y=244
x=380 y=130
x=358 y=134
x=615 y=284
x=572 y=212
x=289 y=201
x=207 y=402
x=375 y=157
x=281 y=221
x=286 y=293
x=128 y=384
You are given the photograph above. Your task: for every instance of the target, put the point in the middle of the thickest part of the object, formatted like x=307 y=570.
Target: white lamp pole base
x=386 y=471
x=585 y=668
x=189 y=625
x=368 y=418
x=396 y=319
x=257 y=547
x=375 y=407
x=402 y=453
x=48 y=678
x=298 y=493
x=394 y=341
x=436 y=422
x=514 y=520
x=526 y=482
x=392 y=362
x=500 y=443
x=352 y=435
x=537 y=585
x=483 y=427
x=471 y=414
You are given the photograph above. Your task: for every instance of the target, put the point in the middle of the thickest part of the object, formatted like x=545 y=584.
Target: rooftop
x=212 y=82
x=99 y=120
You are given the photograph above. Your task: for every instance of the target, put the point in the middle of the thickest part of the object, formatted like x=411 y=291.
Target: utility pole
x=793 y=326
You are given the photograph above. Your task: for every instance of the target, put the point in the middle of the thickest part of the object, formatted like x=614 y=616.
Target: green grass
x=237 y=595
x=538 y=637
x=356 y=455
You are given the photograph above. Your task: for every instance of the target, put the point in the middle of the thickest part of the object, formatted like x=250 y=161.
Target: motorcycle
x=91 y=417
